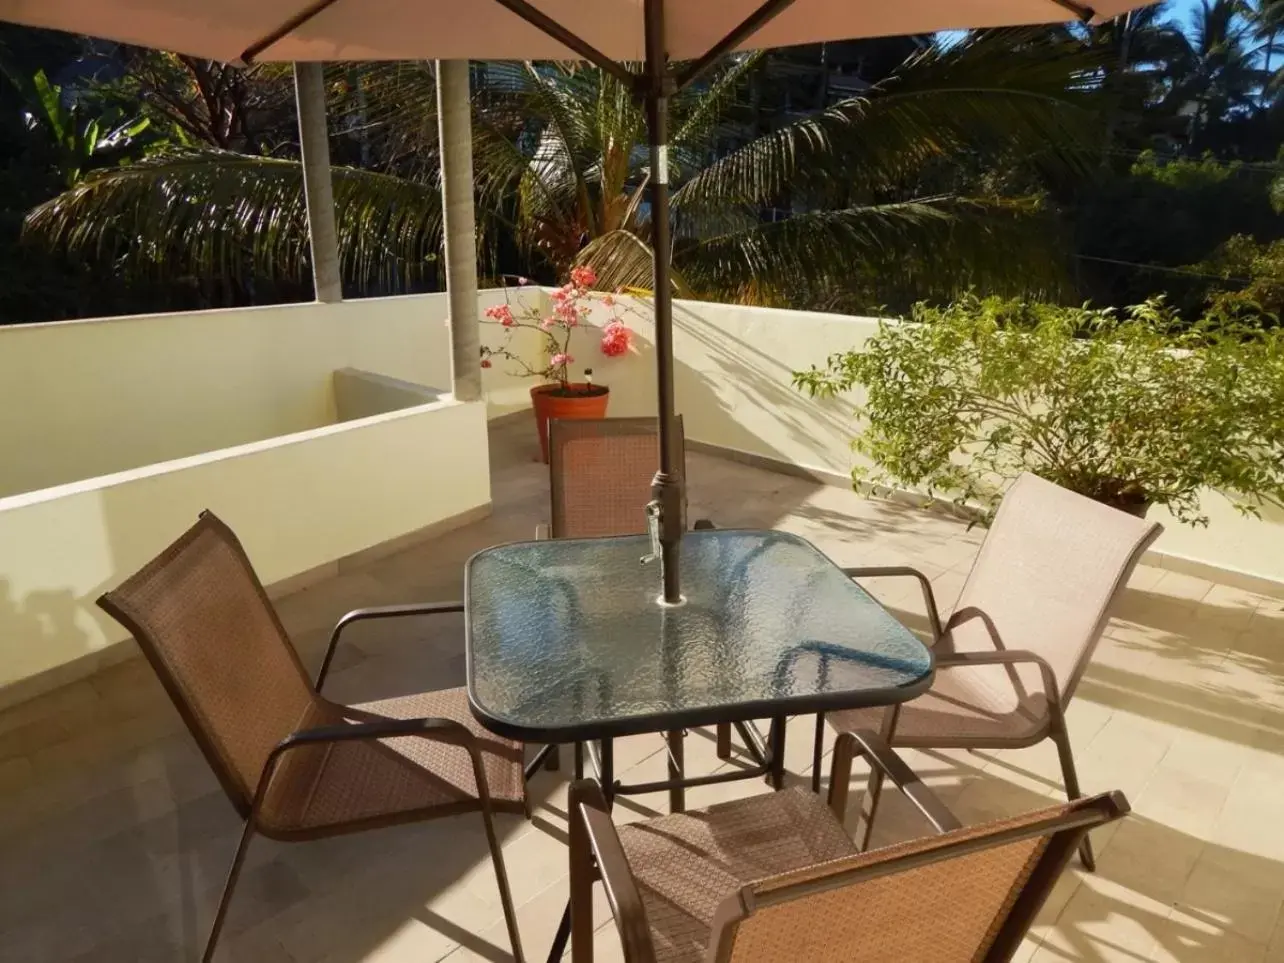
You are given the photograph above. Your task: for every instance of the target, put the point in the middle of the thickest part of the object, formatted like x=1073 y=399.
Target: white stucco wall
x=733 y=385
x=87 y=398
x=297 y=502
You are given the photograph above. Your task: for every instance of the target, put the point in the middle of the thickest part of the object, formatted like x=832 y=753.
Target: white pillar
x=314 y=143
x=459 y=226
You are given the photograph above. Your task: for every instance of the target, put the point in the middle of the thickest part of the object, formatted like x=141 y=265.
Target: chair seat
x=966 y=706
x=349 y=786
x=686 y=864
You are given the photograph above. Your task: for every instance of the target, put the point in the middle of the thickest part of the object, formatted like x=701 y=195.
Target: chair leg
x=818 y=753
x=724 y=740
x=501 y=878
x=1071 y=778
x=225 y=900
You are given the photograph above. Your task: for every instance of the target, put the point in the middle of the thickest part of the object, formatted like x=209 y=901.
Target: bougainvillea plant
x=571 y=304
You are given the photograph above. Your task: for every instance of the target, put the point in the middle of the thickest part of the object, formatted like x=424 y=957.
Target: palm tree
x=857 y=197
x=1220 y=76
x=1267 y=17
x=1141 y=49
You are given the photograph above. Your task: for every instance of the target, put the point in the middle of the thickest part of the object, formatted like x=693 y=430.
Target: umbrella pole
x=666 y=489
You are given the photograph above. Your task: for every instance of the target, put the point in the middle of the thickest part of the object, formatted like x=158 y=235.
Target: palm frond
x=700 y=112
x=622 y=260
x=992 y=93
x=926 y=248
x=216 y=213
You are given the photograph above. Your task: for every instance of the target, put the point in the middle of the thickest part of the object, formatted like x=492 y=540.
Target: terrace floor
x=115 y=838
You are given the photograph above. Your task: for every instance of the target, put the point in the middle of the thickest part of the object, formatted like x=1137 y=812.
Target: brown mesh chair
x=295 y=765
x=775 y=878
x=600 y=474
x=1033 y=608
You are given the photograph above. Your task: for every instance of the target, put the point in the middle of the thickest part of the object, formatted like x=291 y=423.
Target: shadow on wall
x=43 y=617
x=766 y=415
x=734 y=390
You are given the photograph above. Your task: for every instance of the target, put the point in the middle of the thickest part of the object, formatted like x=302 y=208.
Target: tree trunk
x=459 y=228
x=314 y=142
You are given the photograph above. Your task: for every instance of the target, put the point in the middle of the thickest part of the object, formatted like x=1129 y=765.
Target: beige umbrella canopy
x=676 y=41
x=496 y=30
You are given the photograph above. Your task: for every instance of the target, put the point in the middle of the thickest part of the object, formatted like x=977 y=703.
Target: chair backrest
x=204 y=622
x=967 y=895
x=600 y=473
x=1046 y=577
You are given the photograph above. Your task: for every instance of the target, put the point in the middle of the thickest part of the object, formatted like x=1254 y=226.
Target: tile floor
x=114 y=837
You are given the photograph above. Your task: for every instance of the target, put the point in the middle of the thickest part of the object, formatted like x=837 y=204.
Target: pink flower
x=547 y=323
x=583 y=276
x=609 y=301
x=485 y=362
x=564 y=292
x=616 y=339
x=567 y=313
x=523 y=281
x=560 y=360
x=503 y=314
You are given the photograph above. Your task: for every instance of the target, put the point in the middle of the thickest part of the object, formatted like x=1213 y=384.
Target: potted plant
x=558 y=396
x=1132 y=409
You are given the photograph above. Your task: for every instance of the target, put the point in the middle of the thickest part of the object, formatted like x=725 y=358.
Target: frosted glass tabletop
x=567 y=639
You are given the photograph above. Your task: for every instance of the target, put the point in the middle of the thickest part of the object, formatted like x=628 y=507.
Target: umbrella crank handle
x=653 y=529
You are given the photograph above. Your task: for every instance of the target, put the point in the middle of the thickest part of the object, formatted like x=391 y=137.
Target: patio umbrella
x=675 y=41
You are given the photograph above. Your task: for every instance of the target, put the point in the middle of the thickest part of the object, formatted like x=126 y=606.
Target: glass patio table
x=568 y=641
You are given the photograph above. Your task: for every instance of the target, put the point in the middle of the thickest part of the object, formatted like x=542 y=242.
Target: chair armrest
x=440 y=730
x=869 y=745
x=380 y=612
x=893 y=571
x=593 y=838
x=954 y=660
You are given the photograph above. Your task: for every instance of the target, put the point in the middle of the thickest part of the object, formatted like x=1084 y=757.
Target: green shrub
x=1131 y=409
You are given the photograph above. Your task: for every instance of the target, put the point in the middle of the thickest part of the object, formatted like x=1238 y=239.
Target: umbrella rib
x=740 y=33
x=547 y=25
x=294 y=23
x=1084 y=13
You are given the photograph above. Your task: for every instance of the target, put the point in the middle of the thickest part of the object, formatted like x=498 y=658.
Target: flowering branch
x=570 y=308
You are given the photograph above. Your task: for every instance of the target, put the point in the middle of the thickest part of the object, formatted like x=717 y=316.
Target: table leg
x=606 y=762
x=579 y=760
x=677 y=758
x=606 y=775
x=776 y=753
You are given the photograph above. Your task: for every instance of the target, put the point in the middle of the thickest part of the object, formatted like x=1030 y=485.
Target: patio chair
x=295 y=765
x=1031 y=612
x=775 y=878
x=600 y=473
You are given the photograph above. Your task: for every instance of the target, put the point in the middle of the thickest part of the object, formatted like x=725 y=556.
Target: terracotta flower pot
x=580 y=400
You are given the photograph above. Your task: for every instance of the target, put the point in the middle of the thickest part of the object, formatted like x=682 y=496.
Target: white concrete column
x=314 y=143
x=459 y=226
